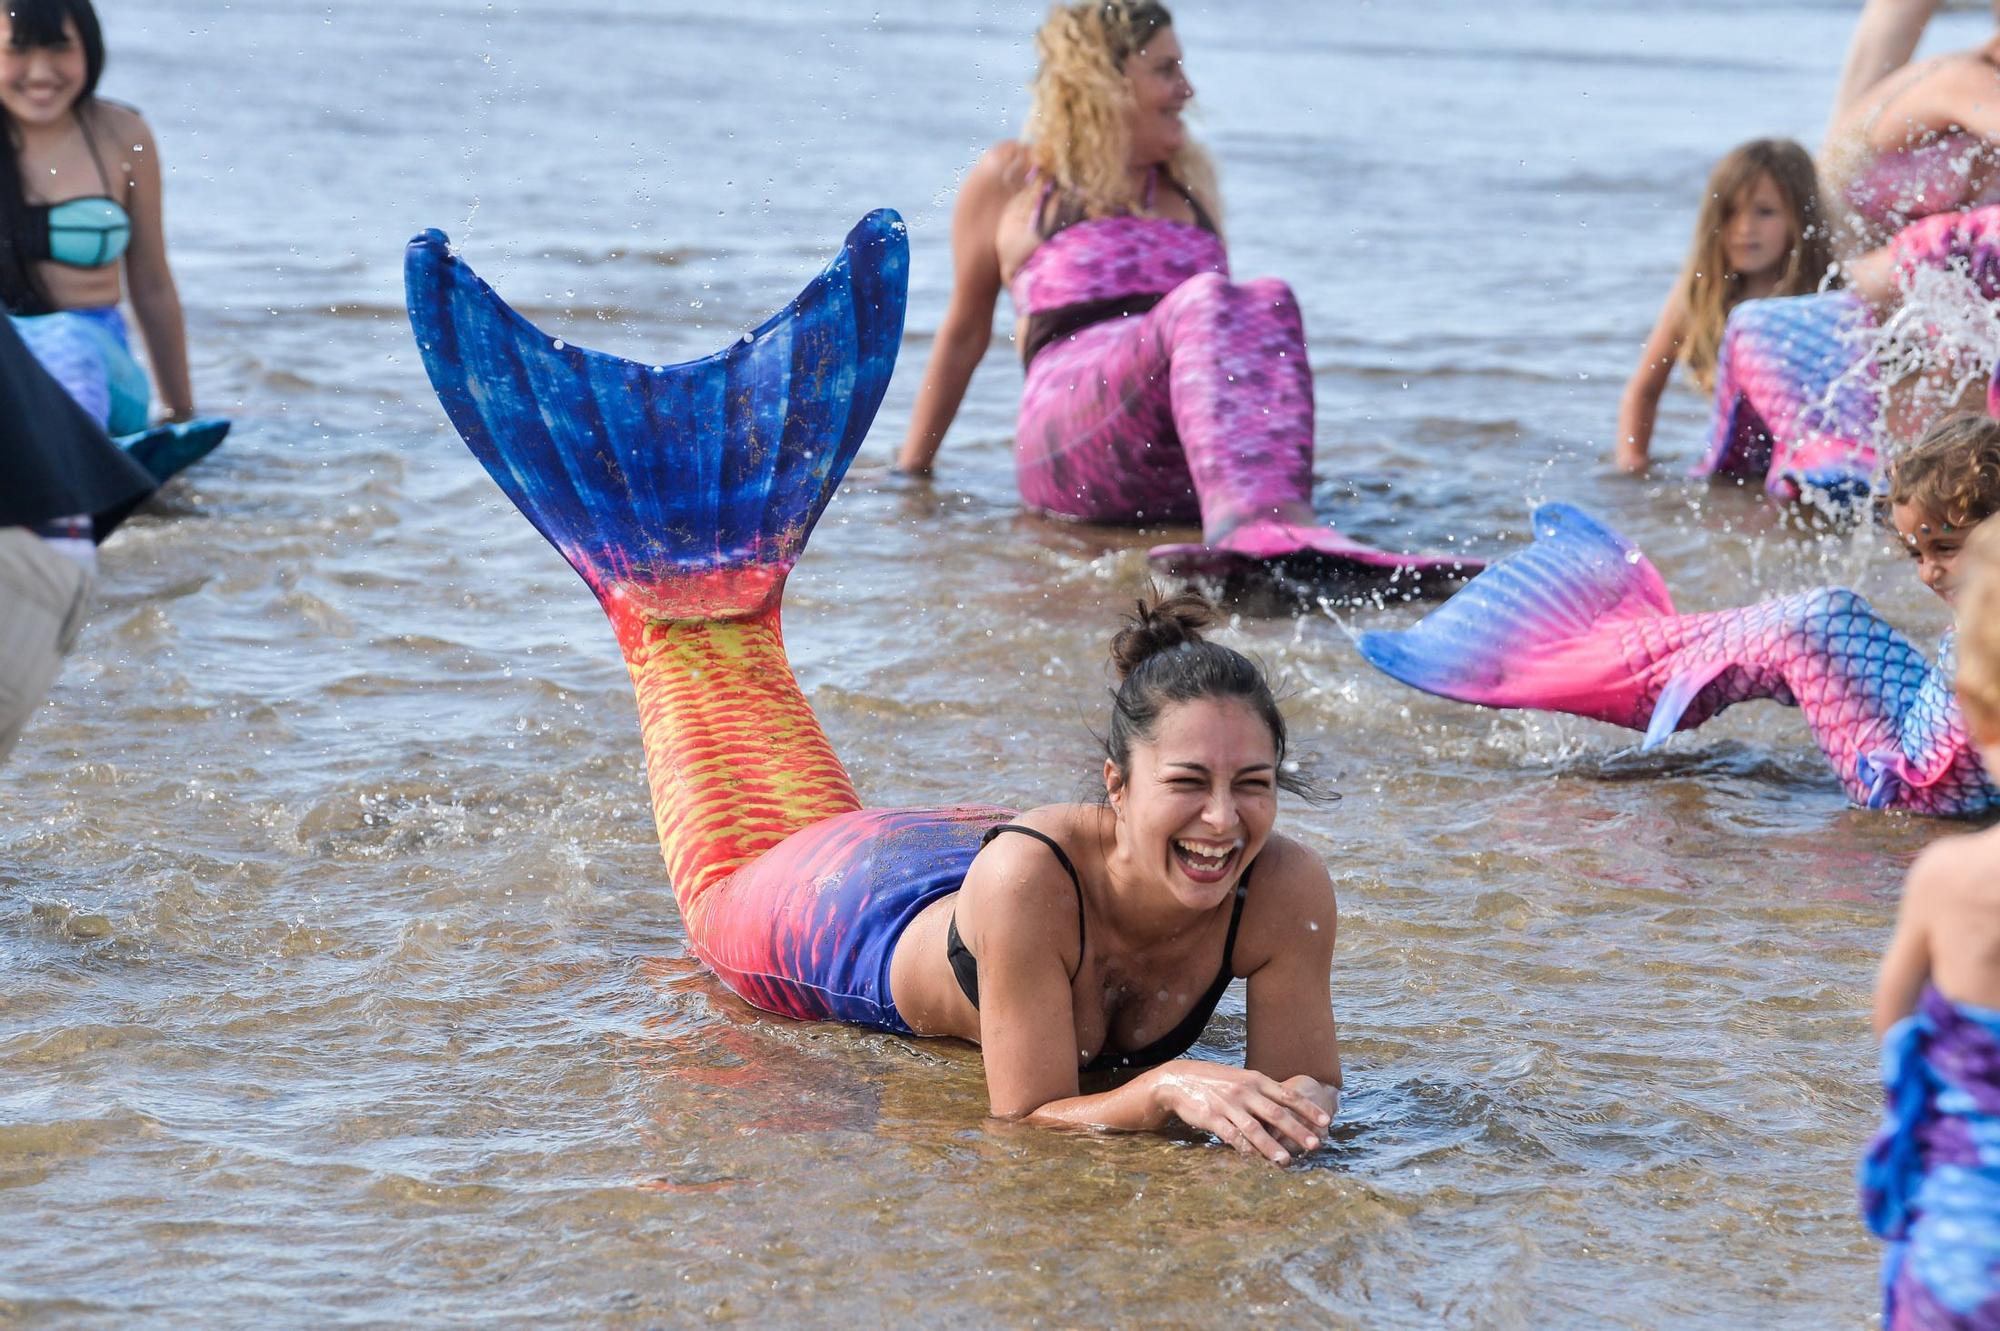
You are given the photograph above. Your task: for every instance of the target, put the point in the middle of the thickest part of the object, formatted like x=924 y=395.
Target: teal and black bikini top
x=87 y=232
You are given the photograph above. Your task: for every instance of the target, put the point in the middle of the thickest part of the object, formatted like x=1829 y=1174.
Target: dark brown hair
x=1162 y=659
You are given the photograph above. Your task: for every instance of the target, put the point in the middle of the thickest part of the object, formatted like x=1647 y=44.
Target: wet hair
x=34 y=23
x=1163 y=660
x=1952 y=473
x=1707 y=285
x=1078 y=131
x=1979 y=629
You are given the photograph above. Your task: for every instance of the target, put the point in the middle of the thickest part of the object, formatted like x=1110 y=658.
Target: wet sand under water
x=340 y=980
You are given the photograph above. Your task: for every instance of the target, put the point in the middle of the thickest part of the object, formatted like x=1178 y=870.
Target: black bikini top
x=1169 y=1046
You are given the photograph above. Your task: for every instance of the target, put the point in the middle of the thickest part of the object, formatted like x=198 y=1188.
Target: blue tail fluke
x=1520 y=634
x=677 y=490
x=168 y=450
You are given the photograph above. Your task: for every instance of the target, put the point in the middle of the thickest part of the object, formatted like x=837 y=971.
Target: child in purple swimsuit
x=1158 y=389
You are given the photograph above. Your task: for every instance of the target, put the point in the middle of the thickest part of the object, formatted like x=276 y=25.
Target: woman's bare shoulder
x=1290 y=882
x=1009 y=162
x=123 y=120
x=1027 y=861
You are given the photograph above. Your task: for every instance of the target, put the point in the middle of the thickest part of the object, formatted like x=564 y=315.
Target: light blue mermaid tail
x=1797 y=404
x=88 y=352
x=683 y=495
x=1580 y=622
x=1930 y=1181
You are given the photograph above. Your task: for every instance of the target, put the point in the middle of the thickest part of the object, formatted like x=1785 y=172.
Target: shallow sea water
x=338 y=978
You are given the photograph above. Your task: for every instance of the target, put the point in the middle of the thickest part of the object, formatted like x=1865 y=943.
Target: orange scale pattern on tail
x=734 y=757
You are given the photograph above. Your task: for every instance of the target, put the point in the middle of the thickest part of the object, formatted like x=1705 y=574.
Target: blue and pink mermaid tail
x=1191 y=400
x=1930 y=1181
x=88 y=351
x=683 y=495
x=1580 y=622
x=1799 y=392
x=1797 y=405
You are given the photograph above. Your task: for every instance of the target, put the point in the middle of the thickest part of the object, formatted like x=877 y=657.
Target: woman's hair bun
x=1160 y=624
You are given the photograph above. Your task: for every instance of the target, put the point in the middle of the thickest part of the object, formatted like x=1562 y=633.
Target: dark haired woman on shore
x=80 y=210
x=1123 y=922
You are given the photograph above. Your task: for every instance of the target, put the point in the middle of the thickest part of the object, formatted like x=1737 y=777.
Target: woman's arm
x=150 y=281
x=1292 y=1036
x=967 y=327
x=1906 y=965
x=1885 y=37
x=1639 y=407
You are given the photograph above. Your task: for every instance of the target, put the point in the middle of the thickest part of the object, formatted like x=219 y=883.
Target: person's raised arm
x=1906 y=964
x=1639 y=406
x=967 y=326
x=1885 y=37
x=150 y=281
x=1024 y=935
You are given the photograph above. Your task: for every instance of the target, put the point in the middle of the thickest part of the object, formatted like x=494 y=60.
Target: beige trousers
x=43 y=596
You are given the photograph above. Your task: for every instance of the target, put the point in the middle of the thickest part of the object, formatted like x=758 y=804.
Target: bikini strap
x=1062 y=858
x=96 y=159
x=1235 y=918
x=1042 y=227
x=1201 y=217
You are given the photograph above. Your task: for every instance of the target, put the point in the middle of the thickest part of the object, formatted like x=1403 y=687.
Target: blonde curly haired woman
x=1158 y=389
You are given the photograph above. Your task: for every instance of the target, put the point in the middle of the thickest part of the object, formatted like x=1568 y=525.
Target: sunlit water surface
x=338 y=979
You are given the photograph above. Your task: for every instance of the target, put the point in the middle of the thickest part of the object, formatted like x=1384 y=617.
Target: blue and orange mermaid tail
x=683 y=495
x=1581 y=622
x=1930 y=1181
x=89 y=353
x=1797 y=403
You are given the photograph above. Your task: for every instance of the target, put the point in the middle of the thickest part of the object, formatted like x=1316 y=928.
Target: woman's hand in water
x=1327 y=1098
x=1247 y=1110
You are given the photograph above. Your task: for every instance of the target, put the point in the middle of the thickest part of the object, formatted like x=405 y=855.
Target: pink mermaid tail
x=1796 y=400
x=1158 y=390
x=1580 y=622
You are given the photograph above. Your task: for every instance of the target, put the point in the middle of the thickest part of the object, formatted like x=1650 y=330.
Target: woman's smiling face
x=1159 y=90
x=1199 y=799
x=39 y=84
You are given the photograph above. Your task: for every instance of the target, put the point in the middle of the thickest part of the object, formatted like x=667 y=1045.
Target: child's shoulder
x=1958 y=866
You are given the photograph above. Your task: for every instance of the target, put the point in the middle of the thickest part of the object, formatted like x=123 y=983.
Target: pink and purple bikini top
x=1090 y=269
x=1901 y=185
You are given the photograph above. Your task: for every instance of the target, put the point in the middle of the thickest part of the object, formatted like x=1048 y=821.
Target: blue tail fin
x=1519 y=634
x=680 y=491
x=168 y=450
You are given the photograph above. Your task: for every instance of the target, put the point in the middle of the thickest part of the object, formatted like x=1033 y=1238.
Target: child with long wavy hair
x=1761 y=232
